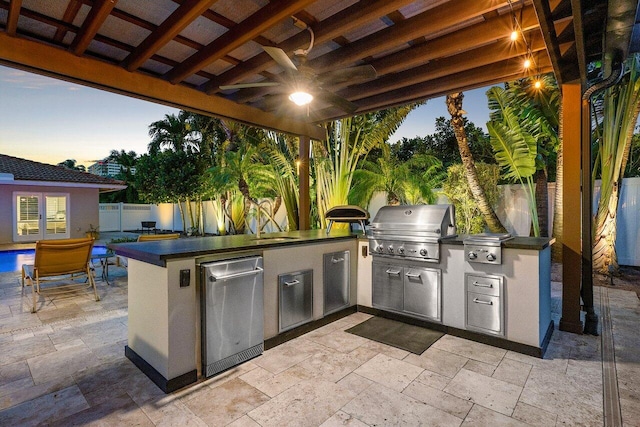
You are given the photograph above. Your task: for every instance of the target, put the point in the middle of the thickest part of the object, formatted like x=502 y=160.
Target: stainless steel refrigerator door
x=336 y=273
x=233 y=319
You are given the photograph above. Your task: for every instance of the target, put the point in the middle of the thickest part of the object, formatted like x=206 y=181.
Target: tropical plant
x=515 y=148
x=127 y=162
x=282 y=152
x=613 y=136
x=454 y=106
x=348 y=141
x=456 y=188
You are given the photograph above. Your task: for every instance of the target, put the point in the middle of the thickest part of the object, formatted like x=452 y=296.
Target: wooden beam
x=449 y=83
x=184 y=15
x=475 y=58
x=92 y=23
x=304 y=208
x=247 y=30
x=332 y=27
x=550 y=38
x=57 y=63
x=571 y=190
x=12 y=18
x=431 y=21
x=69 y=15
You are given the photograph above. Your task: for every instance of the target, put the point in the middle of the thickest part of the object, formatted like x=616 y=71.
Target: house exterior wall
x=83 y=208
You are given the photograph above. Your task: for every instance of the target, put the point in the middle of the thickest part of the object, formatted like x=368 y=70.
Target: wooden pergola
x=181 y=52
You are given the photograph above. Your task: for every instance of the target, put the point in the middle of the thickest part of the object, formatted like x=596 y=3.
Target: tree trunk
x=605 y=258
x=542 y=202
x=454 y=105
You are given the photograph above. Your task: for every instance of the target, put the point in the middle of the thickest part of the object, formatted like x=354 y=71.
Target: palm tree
x=348 y=141
x=72 y=164
x=454 y=106
x=282 y=151
x=620 y=109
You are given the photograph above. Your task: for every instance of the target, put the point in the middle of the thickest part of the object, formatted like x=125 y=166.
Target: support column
x=304 y=201
x=571 y=190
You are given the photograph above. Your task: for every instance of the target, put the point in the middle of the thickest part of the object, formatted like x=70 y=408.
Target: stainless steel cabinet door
x=296 y=299
x=387 y=286
x=336 y=273
x=422 y=292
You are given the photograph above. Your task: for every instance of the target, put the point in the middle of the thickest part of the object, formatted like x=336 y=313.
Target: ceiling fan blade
x=281 y=58
x=248 y=85
x=351 y=74
x=344 y=104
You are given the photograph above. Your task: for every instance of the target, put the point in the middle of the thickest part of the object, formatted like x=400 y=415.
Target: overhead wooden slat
x=485 y=55
x=428 y=22
x=69 y=15
x=171 y=27
x=548 y=30
x=472 y=37
x=344 y=21
x=92 y=23
x=255 y=24
x=12 y=18
x=467 y=80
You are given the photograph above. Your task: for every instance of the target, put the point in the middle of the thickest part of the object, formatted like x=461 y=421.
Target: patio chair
x=150 y=237
x=122 y=261
x=62 y=264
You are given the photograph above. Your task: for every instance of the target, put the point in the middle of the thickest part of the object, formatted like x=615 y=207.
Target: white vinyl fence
x=512 y=210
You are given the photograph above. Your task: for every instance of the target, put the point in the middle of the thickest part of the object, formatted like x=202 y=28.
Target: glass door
x=40 y=216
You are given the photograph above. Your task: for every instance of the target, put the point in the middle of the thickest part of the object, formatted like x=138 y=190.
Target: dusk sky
x=49 y=120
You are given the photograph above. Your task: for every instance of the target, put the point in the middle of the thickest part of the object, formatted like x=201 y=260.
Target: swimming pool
x=13 y=260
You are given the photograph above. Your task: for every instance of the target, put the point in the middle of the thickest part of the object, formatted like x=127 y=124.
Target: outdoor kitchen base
x=466 y=334
x=166 y=385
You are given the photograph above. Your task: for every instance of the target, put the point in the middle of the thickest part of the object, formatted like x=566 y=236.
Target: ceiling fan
x=303 y=84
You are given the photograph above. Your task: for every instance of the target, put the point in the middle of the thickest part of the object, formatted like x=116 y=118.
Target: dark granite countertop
x=158 y=252
x=518 y=242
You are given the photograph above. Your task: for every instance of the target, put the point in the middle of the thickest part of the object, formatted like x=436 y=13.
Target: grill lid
x=435 y=220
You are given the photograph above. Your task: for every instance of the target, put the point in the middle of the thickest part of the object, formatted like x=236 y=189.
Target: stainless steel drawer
x=484 y=313
x=296 y=299
x=484 y=284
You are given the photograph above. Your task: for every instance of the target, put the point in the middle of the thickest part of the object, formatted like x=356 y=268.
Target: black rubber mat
x=397 y=334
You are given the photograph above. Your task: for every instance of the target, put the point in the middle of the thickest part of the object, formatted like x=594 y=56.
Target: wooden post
x=572 y=227
x=304 y=208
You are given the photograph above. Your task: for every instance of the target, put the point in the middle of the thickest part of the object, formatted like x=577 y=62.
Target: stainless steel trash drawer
x=484 y=284
x=296 y=299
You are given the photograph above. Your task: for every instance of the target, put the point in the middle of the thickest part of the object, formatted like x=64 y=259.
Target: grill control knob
x=401 y=250
x=491 y=257
x=379 y=249
x=472 y=255
x=423 y=252
x=390 y=249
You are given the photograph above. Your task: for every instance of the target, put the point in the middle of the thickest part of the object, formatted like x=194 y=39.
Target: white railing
x=512 y=210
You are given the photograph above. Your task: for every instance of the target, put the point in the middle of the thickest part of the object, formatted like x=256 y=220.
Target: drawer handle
x=292 y=283
x=393 y=272
x=483 y=285
x=479 y=301
x=413 y=275
x=336 y=260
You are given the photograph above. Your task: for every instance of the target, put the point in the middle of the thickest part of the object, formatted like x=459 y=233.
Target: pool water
x=13 y=260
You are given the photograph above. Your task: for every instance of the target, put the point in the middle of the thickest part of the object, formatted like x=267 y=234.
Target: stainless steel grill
x=411 y=231
x=485 y=248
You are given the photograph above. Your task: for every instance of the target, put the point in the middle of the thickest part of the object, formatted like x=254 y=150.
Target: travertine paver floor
x=65 y=366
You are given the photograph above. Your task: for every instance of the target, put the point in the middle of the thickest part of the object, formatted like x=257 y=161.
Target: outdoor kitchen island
x=165 y=298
